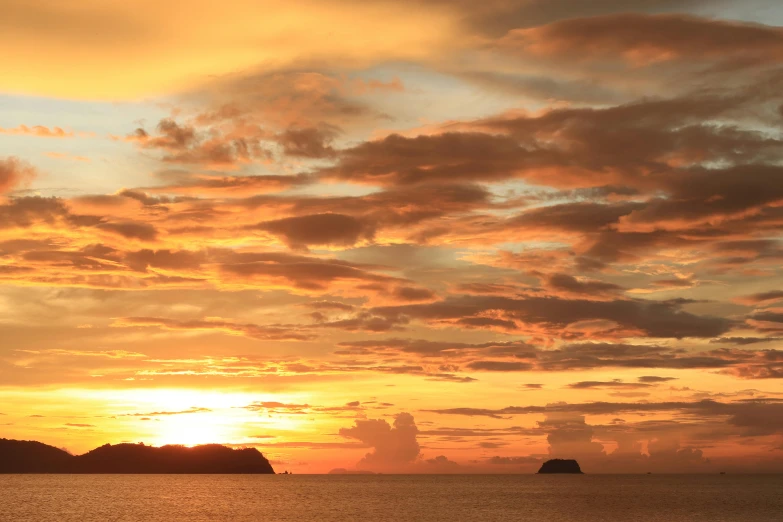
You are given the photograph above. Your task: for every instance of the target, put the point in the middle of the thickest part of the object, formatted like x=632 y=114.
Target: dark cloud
x=441 y=376
x=742 y=341
x=200 y=184
x=704 y=195
x=617 y=383
x=573 y=217
x=308 y=142
x=652 y=318
x=308 y=445
x=596 y=355
x=514 y=461
x=643 y=38
x=758 y=418
x=491 y=445
x=263 y=332
x=426 y=348
x=762 y=297
x=495 y=17
x=448 y=157
x=617 y=145
x=141 y=260
x=522 y=357
x=319 y=229
x=113 y=265
x=387 y=209
x=655 y=379
x=673 y=283
x=499 y=366
x=441 y=464
x=131 y=230
x=307 y=273
x=26 y=211
x=751 y=416
x=570 y=285
x=412 y=294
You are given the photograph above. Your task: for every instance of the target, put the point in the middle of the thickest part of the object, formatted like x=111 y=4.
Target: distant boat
x=722 y=472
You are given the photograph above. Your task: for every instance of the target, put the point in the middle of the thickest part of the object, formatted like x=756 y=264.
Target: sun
x=191 y=417
x=192 y=430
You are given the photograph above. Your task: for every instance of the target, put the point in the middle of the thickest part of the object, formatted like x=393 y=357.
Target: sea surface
x=392 y=498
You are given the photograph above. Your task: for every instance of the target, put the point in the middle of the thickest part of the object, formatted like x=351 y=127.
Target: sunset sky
x=401 y=236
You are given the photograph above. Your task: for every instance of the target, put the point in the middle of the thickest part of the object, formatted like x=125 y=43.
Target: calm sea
x=422 y=498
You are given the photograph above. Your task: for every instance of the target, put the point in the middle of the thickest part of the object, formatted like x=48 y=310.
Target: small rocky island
x=560 y=466
x=18 y=456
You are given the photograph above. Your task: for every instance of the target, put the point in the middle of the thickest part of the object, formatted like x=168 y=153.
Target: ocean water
x=382 y=498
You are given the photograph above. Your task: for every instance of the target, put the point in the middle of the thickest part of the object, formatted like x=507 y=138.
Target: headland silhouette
x=17 y=456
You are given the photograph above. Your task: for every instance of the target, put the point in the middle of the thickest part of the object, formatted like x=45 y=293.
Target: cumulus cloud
x=396 y=448
x=570 y=436
x=204 y=184
x=393 y=446
x=185 y=144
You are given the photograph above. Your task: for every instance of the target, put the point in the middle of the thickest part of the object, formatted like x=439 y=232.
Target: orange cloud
x=66 y=156
x=15 y=173
x=38 y=131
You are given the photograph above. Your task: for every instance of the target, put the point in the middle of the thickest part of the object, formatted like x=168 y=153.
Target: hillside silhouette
x=17 y=456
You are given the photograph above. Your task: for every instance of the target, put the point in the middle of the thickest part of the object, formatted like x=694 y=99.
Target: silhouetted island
x=19 y=456
x=560 y=466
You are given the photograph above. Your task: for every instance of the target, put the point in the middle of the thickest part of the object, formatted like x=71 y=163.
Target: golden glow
x=151 y=47
x=192 y=429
